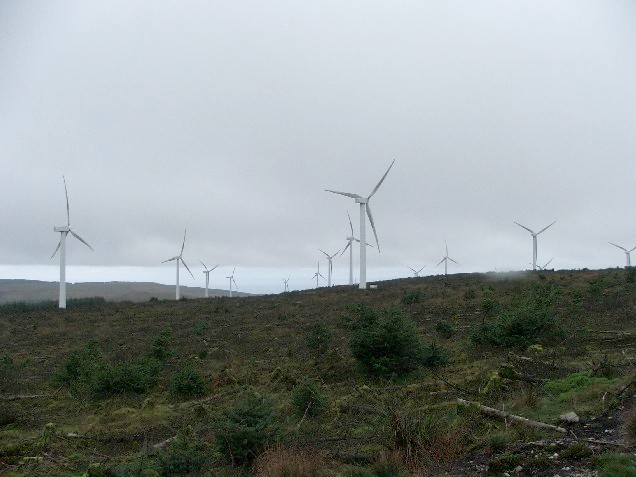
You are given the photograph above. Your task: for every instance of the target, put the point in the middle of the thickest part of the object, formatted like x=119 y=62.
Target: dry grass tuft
x=287 y=462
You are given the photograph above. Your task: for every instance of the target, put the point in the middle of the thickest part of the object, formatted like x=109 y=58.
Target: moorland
x=471 y=374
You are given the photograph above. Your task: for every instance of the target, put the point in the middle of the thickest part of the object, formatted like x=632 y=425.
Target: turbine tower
x=534 y=241
x=231 y=278
x=318 y=274
x=177 y=259
x=286 y=284
x=349 y=246
x=64 y=230
x=445 y=260
x=329 y=258
x=365 y=210
x=207 y=277
x=627 y=252
x=417 y=272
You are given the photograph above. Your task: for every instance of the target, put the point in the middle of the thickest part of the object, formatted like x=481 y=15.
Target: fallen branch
x=490 y=411
x=22 y=396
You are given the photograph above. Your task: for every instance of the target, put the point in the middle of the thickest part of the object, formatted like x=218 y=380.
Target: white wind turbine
x=445 y=260
x=207 y=277
x=286 y=282
x=64 y=230
x=318 y=274
x=545 y=266
x=417 y=272
x=365 y=210
x=627 y=252
x=534 y=241
x=349 y=246
x=231 y=278
x=329 y=258
x=179 y=258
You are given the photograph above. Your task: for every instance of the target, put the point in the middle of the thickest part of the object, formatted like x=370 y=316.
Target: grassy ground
x=264 y=349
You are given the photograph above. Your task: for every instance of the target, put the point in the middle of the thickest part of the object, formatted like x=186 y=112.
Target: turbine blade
x=372 y=225
x=548 y=262
x=411 y=269
x=170 y=259
x=233 y=270
x=350 y=224
x=622 y=248
x=348 y=194
x=524 y=227
x=546 y=228
x=59 y=244
x=214 y=267
x=453 y=260
x=81 y=239
x=446 y=243
x=421 y=269
x=334 y=254
x=442 y=261
x=234 y=281
x=631 y=250
x=68 y=214
x=184 y=264
x=345 y=249
x=324 y=253
x=381 y=180
x=206 y=268
x=183 y=245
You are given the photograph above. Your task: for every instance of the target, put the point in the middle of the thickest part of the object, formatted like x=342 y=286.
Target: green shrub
x=318 y=337
x=137 y=376
x=630 y=275
x=612 y=464
x=434 y=355
x=308 y=399
x=246 y=429
x=445 y=329
x=412 y=296
x=82 y=371
x=161 y=348
x=470 y=294
x=386 y=342
x=530 y=320
x=187 y=382
x=186 y=455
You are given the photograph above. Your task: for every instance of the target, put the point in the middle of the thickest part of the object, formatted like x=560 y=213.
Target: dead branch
x=22 y=396
x=490 y=411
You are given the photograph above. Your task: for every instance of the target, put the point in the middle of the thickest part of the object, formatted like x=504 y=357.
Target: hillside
x=285 y=384
x=31 y=291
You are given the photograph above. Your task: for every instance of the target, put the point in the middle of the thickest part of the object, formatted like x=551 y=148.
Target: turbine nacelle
x=63 y=228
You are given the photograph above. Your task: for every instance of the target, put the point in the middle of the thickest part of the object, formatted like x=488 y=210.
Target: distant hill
x=31 y=291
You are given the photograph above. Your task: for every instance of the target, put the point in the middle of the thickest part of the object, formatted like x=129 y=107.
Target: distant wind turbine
x=64 y=230
x=179 y=258
x=286 y=283
x=318 y=274
x=349 y=246
x=545 y=266
x=231 y=278
x=365 y=210
x=627 y=252
x=534 y=241
x=445 y=260
x=207 y=276
x=329 y=258
x=417 y=272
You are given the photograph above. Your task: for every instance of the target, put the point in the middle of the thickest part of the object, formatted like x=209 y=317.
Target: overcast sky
x=229 y=119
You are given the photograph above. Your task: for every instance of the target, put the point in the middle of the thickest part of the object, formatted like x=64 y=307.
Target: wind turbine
x=627 y=252
x=329 y=258
x=231 y=278
x=365 y=209
x=417 y=272
x=534 y=241
x=349 y=246
x=318 y=274
x=545 y=266
x=179 y=258
x=286 y=282
x=64 y=230
x=207 y=277
x=445 y=260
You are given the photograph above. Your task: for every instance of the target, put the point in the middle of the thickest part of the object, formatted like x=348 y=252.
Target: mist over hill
x=31 y=291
